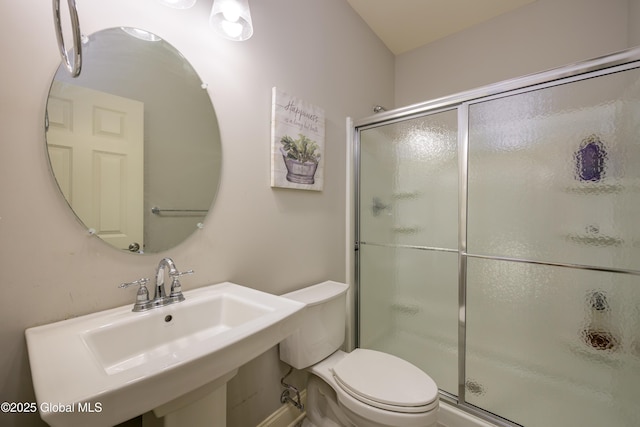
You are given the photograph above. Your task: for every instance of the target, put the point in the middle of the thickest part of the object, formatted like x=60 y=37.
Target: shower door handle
x=378 y=206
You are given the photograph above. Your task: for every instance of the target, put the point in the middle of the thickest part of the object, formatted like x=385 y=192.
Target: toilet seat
x=386 y=382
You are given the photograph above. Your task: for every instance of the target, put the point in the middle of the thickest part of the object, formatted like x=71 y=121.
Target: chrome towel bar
x=157 y=211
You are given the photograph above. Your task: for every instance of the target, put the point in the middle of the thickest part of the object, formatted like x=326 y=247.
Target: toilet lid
x=385 y=381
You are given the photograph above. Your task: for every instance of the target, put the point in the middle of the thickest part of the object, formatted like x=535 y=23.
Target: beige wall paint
x=269 y=239
x=542 y=35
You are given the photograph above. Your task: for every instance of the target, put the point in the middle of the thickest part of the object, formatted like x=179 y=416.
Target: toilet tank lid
x=315 y=294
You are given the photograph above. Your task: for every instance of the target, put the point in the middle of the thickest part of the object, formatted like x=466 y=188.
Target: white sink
x=107 y=367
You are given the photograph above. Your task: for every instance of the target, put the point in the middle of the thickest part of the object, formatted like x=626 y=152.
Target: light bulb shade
x=232 y=19
x=178 y=4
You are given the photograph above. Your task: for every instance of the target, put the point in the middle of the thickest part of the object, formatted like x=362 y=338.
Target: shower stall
x=497 y=244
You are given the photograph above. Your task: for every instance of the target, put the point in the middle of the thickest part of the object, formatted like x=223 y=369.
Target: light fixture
x=232 y=19
x=178 y=4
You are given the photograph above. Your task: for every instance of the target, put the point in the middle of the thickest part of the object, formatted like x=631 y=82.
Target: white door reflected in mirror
x=96 y=149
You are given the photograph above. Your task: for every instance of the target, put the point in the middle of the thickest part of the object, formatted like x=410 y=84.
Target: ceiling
x=404 y=25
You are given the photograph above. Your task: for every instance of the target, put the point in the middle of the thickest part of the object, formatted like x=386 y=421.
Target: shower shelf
x=405 y=195
x=595 y=188
x=406 y=229
x=410 y=309
x=607 y=357
x=594 y=240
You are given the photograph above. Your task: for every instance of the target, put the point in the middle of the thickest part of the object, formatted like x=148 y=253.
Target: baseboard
x=286 y=416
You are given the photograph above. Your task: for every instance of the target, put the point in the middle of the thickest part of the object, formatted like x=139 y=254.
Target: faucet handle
x=142 y=282
x=177 y=274
x=176 y=287
x=143 y=292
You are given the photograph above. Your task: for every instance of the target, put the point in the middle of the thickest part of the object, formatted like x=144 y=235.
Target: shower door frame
x=609 y=64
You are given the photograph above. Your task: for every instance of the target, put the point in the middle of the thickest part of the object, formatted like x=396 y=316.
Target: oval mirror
x=133 y=141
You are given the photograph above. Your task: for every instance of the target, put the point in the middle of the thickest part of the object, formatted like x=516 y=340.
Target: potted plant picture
x=297 y=143
x=301 y=157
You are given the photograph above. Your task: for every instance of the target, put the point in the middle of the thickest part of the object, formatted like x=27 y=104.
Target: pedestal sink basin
x=104 y=368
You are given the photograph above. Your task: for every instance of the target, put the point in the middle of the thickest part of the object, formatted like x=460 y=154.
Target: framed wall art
x=297 y=143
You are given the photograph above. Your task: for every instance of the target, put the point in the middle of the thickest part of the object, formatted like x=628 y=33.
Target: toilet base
x=322 y=408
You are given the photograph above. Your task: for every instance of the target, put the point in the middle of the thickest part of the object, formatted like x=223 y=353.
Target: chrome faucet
x=160 y=297
x=176 y=287
x=168 y=263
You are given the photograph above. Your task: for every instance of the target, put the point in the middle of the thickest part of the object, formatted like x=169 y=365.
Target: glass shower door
x=408 y=241
x=531 y=316
x=553 y=295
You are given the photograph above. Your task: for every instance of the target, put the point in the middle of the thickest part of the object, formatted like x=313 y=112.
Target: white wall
x=542 y=35
x=269 y=239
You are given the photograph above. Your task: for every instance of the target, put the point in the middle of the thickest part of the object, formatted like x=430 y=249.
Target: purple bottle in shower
x=590 y=160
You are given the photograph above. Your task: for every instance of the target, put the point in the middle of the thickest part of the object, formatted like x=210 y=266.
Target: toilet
x=363 y=388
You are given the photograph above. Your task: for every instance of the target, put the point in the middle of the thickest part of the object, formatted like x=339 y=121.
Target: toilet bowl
x=364 y=388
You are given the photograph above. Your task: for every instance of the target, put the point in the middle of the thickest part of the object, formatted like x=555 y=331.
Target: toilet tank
x=322 y=326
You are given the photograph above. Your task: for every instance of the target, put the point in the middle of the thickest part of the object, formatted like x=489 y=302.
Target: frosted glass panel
x=553 y=346
x=554 y=176
x=409 y=190
x=409 y=307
